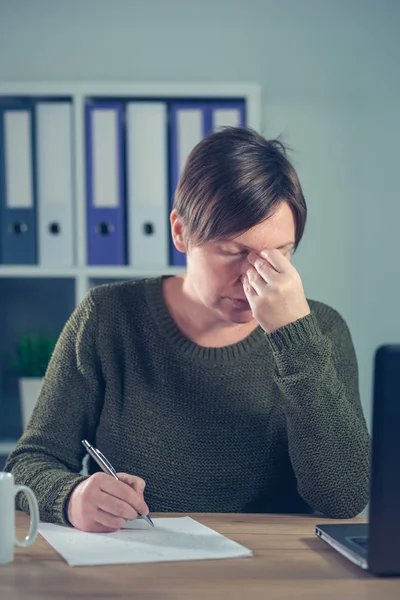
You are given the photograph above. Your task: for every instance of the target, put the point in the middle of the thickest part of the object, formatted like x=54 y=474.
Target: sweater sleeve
x=328 y=439
x=48 y=456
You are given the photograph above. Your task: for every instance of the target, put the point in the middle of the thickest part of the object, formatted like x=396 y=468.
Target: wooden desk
x=289 y=562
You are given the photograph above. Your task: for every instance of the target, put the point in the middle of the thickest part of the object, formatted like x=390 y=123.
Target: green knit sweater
x=269 y=424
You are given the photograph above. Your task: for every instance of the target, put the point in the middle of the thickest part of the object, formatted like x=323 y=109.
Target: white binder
x=226 y=117
x=55 y=183
x=189 y=131
x=147 y=184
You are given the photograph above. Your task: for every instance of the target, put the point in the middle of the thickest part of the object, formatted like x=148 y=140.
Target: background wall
x=330 y=83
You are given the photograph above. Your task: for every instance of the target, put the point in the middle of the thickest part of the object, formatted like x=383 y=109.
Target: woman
x=225 y=389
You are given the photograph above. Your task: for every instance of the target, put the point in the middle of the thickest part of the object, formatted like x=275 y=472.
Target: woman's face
x=215 y=269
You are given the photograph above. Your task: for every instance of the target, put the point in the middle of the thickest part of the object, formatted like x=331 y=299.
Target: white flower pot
x=29 y=388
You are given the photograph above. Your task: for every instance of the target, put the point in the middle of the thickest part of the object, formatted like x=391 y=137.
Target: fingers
x=276 y=259
x=256 y=281
x=137 y=483
x=115 y=506
x=102 y=503
x=248 y=290
x=107 y=520
x=124 y=490
x=264 y=267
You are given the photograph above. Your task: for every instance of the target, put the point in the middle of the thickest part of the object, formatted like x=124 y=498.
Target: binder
x=147 y=183
x=189 y=126
x=190 y=123
x=17 y=185
x=106 y=235
x=55 y=183
x=228 y=115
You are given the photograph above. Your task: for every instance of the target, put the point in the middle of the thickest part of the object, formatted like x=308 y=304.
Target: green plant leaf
x=32 y=354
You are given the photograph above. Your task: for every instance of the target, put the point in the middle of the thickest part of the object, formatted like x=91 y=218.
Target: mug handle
x=33 y=516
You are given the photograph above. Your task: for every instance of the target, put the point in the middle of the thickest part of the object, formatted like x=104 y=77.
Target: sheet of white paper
x=172 y=539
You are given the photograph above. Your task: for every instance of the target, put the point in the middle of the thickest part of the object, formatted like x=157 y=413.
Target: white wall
x=330 y=81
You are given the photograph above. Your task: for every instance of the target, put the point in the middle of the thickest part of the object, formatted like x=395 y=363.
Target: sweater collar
x=170 y=331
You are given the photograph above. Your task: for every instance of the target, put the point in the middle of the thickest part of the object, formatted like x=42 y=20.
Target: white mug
x=8 y=539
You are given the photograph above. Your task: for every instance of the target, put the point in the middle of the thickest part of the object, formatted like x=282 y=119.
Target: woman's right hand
x=101 y=503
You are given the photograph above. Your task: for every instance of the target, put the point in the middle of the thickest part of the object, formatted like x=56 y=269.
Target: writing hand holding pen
x=102 y=503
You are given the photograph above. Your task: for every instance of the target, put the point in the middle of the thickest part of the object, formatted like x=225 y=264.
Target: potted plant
x=32 y=355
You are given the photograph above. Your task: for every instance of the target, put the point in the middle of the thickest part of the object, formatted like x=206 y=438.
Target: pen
x=107 y=467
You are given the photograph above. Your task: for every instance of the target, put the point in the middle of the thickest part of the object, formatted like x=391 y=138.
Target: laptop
x=376 y=545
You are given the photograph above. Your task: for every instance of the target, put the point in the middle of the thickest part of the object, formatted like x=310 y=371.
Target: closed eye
x=242 y=253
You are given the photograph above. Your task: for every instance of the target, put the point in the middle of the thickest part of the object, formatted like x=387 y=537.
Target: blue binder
x=17 y=185
x=105 y=179
x=191 y=121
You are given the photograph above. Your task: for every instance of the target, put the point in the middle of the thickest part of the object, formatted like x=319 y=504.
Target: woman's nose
x=244 y=265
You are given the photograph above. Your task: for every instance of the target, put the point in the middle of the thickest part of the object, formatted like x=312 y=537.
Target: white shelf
x=250 y=91
x=92 y=272
x=7 y=447
x=36 y=271
x=116 y=272
x=79 y=92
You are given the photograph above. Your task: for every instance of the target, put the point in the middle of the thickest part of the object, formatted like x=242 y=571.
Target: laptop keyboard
x=361 y=541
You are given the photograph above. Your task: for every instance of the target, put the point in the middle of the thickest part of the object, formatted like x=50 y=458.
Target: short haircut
x=232 y=180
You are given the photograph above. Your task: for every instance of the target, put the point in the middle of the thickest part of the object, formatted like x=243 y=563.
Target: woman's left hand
x=274 y=290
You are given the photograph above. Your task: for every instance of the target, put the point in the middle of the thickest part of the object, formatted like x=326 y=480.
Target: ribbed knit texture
x=270 y=424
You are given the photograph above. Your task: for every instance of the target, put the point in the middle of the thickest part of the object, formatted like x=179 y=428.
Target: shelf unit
x=79 y=92
x=77 y=280
x=6 y=447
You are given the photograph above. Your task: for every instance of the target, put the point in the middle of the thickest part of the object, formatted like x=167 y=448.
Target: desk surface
x=289 y=562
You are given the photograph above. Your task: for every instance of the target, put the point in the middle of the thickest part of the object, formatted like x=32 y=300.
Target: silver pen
x=107 y=467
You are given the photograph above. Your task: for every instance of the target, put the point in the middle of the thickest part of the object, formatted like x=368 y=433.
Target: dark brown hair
x=233 y=180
